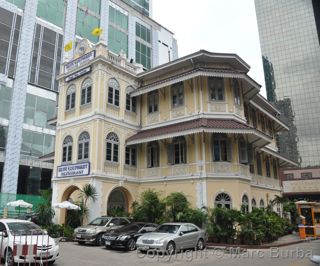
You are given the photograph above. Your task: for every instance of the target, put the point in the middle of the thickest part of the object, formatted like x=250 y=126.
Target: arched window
x=221 y=148
x=223 y=200
x=236 y=91
x=268 y=172
x=71 y=97
x=112 y=153
x=86 y=91
x=259 y=164
x=153 y=154
x=243 y=150
x=83 y=146
x=67 y=149
x=245 y=203
x=261 y=204
x=113 y=92
x=253 y=204
x=216 y=88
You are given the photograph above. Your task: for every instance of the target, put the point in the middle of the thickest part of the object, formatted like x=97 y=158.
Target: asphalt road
x=295 y=255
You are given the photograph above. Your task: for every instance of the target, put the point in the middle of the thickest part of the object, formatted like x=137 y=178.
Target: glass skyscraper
x=127 y=29
x=289 y=36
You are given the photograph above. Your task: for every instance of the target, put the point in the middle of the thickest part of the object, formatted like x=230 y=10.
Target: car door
x=182 y=240
x=193 y=235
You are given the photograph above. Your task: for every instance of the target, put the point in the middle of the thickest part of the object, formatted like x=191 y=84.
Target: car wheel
x=200 y=244
x=51 y=262
x=9 y=257
x=131 y=244
x=99 y=240
x=171 y=247
x=81 y=242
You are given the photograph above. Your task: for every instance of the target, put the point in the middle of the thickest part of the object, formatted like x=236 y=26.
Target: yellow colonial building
x=197 y=125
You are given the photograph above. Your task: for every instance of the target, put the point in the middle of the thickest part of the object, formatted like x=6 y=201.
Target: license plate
x=44 y=254
x=107 y=243
x=144 y=248
x=78 y=236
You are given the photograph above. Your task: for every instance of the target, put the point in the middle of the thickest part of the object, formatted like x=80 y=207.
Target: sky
x=226 y=26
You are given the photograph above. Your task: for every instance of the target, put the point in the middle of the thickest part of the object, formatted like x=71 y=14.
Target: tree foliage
x=45 y=210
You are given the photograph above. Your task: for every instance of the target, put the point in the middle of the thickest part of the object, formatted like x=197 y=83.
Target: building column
x=95 y=206
x=131 y=37
x=104 y=20
x=19 y=93
x=70 y=28
x=155 y=49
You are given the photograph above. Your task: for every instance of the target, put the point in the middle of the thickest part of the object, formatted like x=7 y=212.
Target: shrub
x=222 y=224
x=150 y=208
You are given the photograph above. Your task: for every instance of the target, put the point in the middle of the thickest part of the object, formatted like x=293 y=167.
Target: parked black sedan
x=126 y=237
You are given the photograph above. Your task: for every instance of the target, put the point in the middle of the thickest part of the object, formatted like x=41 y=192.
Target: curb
x=267 y=246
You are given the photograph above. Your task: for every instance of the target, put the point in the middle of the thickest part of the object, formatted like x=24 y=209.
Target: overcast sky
x=227 y=26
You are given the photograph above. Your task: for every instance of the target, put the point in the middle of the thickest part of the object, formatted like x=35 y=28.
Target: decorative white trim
x=191 y=75
x=278 y=155
x=95 y=116
x=269 y=115
x=198 y=130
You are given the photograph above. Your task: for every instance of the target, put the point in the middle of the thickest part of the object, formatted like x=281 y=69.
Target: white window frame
x=113 y=89
x=70 y=98
x=213 y=89
x=153 y=101
x=177 y=95
x=83 y=144
x=67 y=149
x=113 y=140
x=87 y=89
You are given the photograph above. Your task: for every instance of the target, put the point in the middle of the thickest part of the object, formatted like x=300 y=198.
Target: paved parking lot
x=295 y=255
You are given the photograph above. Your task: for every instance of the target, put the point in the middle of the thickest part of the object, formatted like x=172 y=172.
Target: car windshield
x=17 y=228
x=100 y=221
x=168 y=228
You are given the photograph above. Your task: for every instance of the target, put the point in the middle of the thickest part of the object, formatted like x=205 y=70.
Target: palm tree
x=88 y=192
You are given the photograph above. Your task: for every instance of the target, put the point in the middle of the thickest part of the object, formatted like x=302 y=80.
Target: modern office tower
x=290 y=44
x=289 y=36
x=28 y=101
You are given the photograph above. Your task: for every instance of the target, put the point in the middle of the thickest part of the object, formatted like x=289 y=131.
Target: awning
x=279 y=124
x=250 y=86
x=228 y=126
x=283 y=160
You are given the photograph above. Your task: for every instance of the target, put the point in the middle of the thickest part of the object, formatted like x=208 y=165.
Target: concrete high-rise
x=290 y=44
x=28 y=101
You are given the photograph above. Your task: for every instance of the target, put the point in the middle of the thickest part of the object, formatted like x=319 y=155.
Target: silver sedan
x=172 y=237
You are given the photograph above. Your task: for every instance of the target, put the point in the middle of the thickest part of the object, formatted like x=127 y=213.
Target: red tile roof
x=190 y=125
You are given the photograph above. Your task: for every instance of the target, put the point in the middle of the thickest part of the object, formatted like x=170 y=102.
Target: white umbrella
x=66 y=205
x=19 y=203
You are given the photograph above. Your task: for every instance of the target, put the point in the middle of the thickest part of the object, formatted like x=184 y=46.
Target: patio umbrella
x=66 y=205
x=19 y=203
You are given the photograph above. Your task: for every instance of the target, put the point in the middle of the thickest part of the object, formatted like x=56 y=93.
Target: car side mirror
x=111 y=224
x=181 y=233
x=143 y=231
x=3 y=234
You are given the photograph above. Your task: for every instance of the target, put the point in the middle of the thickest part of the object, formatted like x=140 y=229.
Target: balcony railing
x=265 y=181
x=226 y=168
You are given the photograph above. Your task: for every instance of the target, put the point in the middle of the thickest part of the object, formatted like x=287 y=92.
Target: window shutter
x=170 y=153
x=229 y=150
